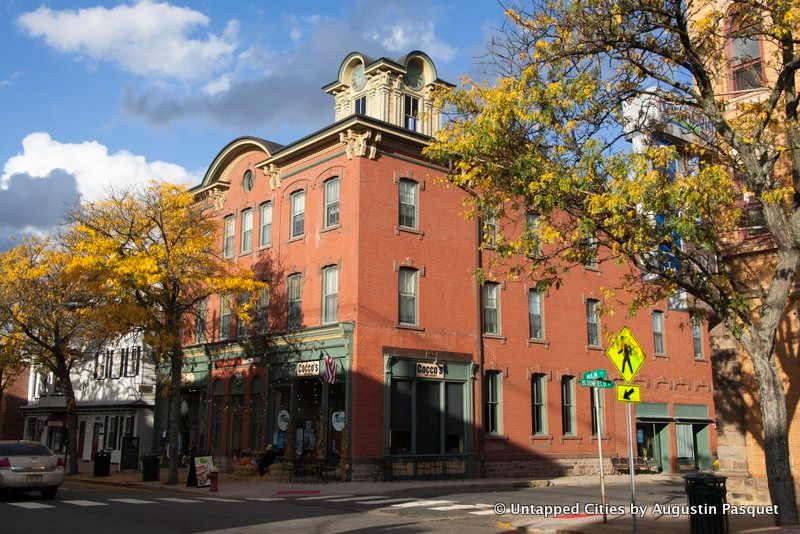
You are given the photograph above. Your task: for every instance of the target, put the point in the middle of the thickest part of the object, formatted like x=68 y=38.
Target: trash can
x=707 y=494
x=150 y=467
x=102 y=464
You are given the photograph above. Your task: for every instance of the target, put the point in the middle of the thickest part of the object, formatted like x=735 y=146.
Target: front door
x=81 y=438
x=97 y=436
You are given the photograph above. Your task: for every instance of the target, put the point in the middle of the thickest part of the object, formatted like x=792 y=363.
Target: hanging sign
x=307 y=368
x=283 y=420
x=429 y=370
x=337 y=421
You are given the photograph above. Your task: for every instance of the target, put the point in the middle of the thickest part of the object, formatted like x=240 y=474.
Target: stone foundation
x=550 y=467
x=746 y=490
x=366 y=471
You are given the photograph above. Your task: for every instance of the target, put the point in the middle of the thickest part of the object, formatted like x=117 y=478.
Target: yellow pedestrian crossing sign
x=626 y=354
x=628 y=393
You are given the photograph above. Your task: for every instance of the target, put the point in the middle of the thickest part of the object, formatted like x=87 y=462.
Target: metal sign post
x=597 y=393
x=631 y=467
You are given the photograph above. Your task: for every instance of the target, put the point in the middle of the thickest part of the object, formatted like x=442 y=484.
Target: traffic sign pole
x=631 y=468
x=597 y=393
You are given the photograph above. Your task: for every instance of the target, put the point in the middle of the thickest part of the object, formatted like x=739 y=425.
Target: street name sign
x=605 y=384
x=628 y=393
x=626 y=354
x=597 y=374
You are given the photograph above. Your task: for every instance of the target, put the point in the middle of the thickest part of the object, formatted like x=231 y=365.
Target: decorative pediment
x=358 y=145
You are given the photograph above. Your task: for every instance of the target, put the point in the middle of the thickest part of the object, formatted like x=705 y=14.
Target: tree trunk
x=176 y=362
x=772 y=400
x=65 y=381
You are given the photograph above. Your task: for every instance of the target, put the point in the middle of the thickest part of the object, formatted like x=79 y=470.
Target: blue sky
x=101 y=94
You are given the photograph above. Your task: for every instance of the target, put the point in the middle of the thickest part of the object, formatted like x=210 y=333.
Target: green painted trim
x=703 y=452
x=415 y=161
x=664 y=449
x=652 y=409
x=312 y=165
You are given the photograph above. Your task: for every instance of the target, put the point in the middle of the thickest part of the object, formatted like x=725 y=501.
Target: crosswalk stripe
x=219 y=499
x=320 y=497
x=360 y=497
x=176 y=499
x=483 y=512
x=31 y=505
x=419 y=503
x=454 y=507
x=86 y=503
x=133 y=501
x=265 y=499
x=385 y=501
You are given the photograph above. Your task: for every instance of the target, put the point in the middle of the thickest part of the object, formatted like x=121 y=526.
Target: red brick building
x=370 y=261
x=12 y=424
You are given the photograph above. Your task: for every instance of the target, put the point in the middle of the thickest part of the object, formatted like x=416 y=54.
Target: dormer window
x=360 y=105
x=411 y=112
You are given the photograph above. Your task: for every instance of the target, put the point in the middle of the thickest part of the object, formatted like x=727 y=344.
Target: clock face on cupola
x=392 y=90
x=359 y=79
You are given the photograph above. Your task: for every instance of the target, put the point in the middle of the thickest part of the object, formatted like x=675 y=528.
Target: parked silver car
x=29 y=465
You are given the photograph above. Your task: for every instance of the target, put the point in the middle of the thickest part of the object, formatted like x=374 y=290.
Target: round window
x=247 y=181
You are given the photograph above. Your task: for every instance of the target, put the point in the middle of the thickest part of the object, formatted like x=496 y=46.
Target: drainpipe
x=478 y=338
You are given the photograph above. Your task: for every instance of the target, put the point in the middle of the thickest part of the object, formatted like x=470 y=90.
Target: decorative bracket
x=218 y=199
x=274 y=175
x=357 y=144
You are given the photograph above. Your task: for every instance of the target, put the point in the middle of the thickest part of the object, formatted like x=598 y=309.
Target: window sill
x=265 y=247
x=498 y=337
x=405 y=326
x=301 y=237
x=591 y=269
x=700 y=360
x=661 y=355
x=408 y=230
x=542 y=437
x=571 y=437
x=330 y=228
x=594 y=347
x=495 y=437
x=243 y=254
x=606 y=438
x=535 y=341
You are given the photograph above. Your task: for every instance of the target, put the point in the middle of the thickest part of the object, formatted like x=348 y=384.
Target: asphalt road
x=82 y=508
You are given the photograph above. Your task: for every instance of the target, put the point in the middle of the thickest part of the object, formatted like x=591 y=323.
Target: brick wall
x=12 y=424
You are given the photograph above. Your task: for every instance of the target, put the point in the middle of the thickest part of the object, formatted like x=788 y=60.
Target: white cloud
x=10 y=79
x=219 y=85
x=147 y=38
x=94 y=169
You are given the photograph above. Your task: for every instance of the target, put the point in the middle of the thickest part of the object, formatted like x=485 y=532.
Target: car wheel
x=49 y=493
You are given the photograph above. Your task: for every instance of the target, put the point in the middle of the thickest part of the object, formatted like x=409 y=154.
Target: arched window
x=216 y=414
x=256 y=413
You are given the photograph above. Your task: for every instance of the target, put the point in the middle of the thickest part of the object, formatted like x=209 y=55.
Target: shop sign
x=187 y=378
x=429 y=370
x=337 y=421
x=307 y=368
x=283 y=420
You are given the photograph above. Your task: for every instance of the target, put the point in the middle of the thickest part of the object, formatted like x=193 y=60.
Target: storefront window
x=400 y=433
x=236 y=407
x=281 y=417
x=454 y=422
x=428 y=418
x=216 y=415
x=256 y=413
x=337 y=419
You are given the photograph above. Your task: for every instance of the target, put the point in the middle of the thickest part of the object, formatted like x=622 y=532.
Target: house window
x=407 y=204
x=241 y=326
x=227 y=248
x=265 y=233
x=538 y=412
x=407 y=289
x=592 y=323
x=330 y=296
x=247 y=230
x=331 y=202
x=298 y=213
x=532 y=226
x=535 y=323
x=491 y=308
x=360 y=105
x=493 y=409
x=658 y=332
x=133 y=361
x=201 y=311
x=262 y=312
x=590 y=251
x=247 y=181
x=697 y=339
x=745 y=54
x=109 y=364
x=412 y=112
x=225 y=319
x=295 y=300
x=568 y=405
x=597 y=404
x=490 y=230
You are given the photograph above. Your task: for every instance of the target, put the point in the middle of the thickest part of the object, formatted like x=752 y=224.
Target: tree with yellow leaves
x=50 y=319
x=545 y=138
x=156 y=255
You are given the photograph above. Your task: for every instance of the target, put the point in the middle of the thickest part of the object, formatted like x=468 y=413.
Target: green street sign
x=604 y=384
x=597 y=374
